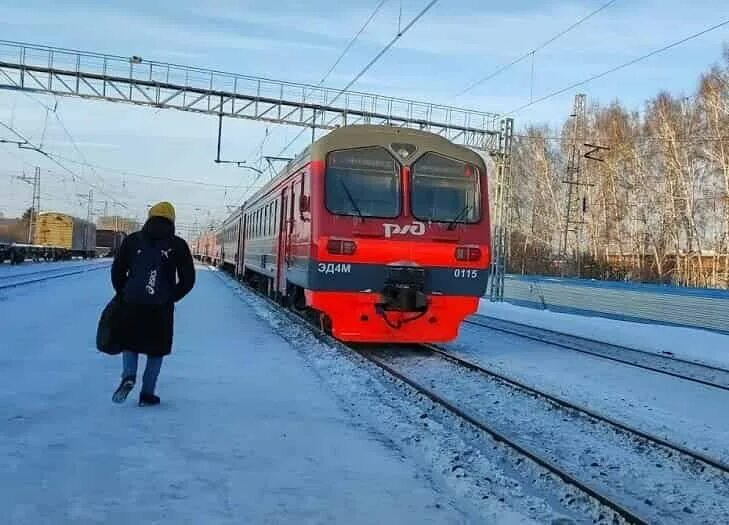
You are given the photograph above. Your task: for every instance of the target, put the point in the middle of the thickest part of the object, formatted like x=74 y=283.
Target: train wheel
x=325 y=323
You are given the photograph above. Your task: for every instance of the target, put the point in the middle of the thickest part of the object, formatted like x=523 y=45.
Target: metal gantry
x=43 y=69
x=134 y=80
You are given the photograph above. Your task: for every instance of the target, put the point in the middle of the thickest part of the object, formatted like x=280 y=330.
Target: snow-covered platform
x=246 y=433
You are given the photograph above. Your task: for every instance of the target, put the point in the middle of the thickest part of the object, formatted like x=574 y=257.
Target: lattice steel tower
x=575 y=204
x=501 y=198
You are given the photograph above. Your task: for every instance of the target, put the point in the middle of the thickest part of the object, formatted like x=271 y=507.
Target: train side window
x=265 y=224
x=275 y=217
x=270 y=218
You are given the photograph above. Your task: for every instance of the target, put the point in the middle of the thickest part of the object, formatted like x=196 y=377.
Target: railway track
x=686 y=465
x=712 y=376
x=27 y=278
x=607 y=499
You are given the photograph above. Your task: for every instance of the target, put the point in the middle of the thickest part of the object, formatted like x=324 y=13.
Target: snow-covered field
x=702 y=346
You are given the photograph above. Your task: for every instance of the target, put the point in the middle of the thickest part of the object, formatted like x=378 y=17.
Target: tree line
x=654 y=208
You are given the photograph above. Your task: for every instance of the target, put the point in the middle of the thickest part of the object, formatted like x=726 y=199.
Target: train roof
x=363 y=135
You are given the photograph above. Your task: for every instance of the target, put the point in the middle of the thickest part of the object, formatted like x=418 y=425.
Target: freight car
x=76 y=237
x=108 y=242
x=381 y=233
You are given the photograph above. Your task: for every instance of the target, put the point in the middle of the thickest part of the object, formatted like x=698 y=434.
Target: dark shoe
x=148 y=400
x=121 y=393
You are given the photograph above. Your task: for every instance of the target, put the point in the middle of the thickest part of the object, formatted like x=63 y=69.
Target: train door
x=283 y=240
x=240 y=246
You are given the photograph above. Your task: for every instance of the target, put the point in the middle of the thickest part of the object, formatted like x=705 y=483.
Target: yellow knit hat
x=163 y=209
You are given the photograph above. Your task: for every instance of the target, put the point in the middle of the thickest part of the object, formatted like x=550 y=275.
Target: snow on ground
x=29 y=268
x=701 y=346
x=684 y=412
x=618 y=464
x=246 y=433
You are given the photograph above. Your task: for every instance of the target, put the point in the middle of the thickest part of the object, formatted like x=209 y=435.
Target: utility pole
x=35 y=205
x=89 y=216
x=576 y=200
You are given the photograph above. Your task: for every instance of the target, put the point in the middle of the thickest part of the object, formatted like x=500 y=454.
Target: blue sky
x=456 y=43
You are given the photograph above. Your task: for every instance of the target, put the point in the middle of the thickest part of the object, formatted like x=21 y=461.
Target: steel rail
x=628 y=515
x=661 y=363
x=566 y=404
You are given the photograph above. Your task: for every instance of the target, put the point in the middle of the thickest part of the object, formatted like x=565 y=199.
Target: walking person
x=152 y=270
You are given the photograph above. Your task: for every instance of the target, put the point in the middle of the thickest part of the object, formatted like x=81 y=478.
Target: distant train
x=75 y=237
x=207 y=248
x=108 y=242
x=381 y=233
x=57 y=237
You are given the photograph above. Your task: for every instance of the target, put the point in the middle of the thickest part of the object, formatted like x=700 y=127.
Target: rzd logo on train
x=416 y=228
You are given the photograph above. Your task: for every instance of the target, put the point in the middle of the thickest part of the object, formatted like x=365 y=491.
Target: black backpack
x=152 y=274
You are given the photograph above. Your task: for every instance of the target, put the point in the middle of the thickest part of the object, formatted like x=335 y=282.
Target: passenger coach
x=381 y=232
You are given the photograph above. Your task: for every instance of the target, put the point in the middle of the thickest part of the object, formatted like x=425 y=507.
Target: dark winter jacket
x=147 y=329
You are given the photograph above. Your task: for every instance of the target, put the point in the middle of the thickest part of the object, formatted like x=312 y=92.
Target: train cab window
x=445 y=190
x=362 y=182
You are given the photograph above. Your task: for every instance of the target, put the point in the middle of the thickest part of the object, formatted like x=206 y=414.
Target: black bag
x=105 y=331
x=151 y=274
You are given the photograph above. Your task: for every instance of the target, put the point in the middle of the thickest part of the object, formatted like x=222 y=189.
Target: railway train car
x=380 y=232
x=108 y=242
x=205 y=248
x=76 y=237
x=228 y=239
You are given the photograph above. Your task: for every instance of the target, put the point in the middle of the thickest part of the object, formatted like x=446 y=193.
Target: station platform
x=246 y=432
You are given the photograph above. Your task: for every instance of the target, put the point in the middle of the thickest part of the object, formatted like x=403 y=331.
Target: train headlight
x=341 y=247
x=468 y=253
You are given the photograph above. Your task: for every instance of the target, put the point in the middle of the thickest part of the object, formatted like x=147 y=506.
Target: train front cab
x=401 y=241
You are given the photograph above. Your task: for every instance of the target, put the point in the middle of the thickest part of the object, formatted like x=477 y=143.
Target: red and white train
x=381 y=232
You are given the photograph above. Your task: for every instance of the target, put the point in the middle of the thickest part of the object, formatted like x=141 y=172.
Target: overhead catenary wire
x=371 y=63
x=532 y=52
x=27 y=144
x=341 y=56
x=620 y=66
x=647 y=138
x=384 y=50
x=160 y=178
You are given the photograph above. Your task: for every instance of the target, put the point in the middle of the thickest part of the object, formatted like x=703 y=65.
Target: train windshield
x=364 y=182
x=445 y=190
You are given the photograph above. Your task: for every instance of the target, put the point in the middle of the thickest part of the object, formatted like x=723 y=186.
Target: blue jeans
x=151 y=371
